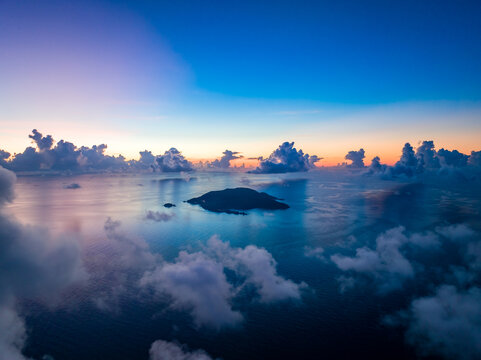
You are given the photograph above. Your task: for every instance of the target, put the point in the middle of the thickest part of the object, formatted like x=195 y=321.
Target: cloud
x=286 y=158
x=447 y=323
x=158 y=216
x=72 y=186
x=12 y=334
x=376 y=167
x=426 y=155
x=7 y=181
x=475 y=159
x=64 y=156
x=4 y=155
x=224 y=162
x=452 y=158
x=426 y=158
x=345 y=283
x=407 y=165
x=173 y=161
x=196 y=282
x=455 y=231
x=43 y=143
x=33 y=266
x=259 y=269
x=317 y=252
x=386 y=263
x=146 y=161
x=357 y=158
x=164 y=350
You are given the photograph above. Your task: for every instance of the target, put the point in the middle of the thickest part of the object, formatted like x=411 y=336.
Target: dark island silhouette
x=233 y=201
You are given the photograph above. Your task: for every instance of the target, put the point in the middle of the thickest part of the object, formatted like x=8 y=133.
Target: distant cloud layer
x=64 y=156
x=357 y=158
x=173 y=161
x=426 y=158
x=224 y=161
x=286 y=158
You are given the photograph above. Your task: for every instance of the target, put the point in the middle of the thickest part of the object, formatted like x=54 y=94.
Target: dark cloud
x=286 y=158
x=164 y=350
x=72 y=186
x=224 y=161
x=173 y=161
x=452 y=158
x=4 y=157
x=426 y=155
x=426 y=158
x=475 y=159
x=158 y=216
x=357 y=158
x=146 y=161
x=376 y=167
x=94 y=158
x=43 y=143
x=407 y=165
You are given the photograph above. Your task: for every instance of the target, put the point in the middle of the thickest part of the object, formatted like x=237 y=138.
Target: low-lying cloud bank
x=173 y=161
x=224 y=161
x=357 y=158
x=286 y=158
x=65 y=156
x=425 y=158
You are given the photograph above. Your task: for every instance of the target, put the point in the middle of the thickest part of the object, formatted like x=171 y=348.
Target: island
x=169 y=205
x=234 y=201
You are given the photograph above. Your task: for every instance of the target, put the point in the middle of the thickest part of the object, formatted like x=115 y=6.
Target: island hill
x=233 y=201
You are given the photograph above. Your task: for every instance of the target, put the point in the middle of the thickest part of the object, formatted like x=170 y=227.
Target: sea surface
x=337 y=211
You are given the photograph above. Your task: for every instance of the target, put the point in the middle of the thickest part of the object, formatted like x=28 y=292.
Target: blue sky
x=337 y=51
x=209 y=75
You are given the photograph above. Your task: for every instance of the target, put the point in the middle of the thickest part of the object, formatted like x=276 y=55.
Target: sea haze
x=322 y=300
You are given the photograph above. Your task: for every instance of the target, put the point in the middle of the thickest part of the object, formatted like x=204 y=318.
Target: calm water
x=334 y=210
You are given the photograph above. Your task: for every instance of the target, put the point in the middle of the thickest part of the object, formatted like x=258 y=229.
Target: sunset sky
x=204 y=77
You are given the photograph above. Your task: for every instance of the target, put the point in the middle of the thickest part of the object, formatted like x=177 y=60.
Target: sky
x=205 y=76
